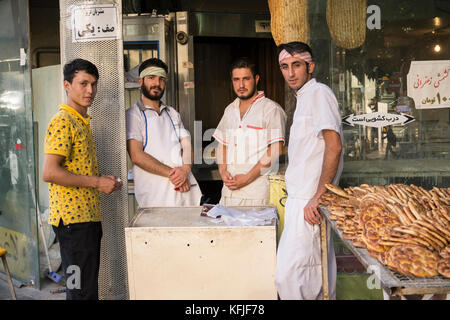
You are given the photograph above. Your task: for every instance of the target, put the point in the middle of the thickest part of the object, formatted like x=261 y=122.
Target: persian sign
x=377 y=119
x=429 y=84
x=95 y=22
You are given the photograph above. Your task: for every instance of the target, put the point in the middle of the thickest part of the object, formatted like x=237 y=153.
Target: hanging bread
x=347 y=22
x=289 y=21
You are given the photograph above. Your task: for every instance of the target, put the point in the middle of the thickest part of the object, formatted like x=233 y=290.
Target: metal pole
x=8 y=276
x=324 y=249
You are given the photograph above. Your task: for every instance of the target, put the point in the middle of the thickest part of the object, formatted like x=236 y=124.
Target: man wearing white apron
x=315 y=158
x=251 y=138
x=159 y=146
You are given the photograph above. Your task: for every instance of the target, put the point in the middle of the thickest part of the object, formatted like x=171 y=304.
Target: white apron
x=247 y=140
x=299 y=272
x=253 y=194
x=152 y=190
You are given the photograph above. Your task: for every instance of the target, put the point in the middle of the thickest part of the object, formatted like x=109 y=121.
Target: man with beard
x=159 y=146
x=251 y=138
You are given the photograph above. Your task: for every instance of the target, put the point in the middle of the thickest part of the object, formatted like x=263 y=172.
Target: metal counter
x=175 y=253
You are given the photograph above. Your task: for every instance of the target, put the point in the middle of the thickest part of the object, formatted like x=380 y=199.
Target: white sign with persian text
x=429 y=84
x=377 y=119
x=95 y=23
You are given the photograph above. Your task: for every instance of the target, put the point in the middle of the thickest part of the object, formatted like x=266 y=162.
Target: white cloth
x=299 y=265
x=161 y=135
x=317 y=109
x=235 y=217
x=299 y=272
x=239 y=202
x=247 y=140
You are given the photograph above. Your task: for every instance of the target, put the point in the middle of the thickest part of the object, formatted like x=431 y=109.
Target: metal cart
x=393 y=283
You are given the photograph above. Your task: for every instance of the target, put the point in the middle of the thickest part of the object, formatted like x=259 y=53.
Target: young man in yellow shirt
x=70 y=168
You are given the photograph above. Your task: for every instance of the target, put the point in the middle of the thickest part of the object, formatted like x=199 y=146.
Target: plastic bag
x=235 y=217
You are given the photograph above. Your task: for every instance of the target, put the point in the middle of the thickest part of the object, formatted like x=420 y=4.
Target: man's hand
x=118 y=182
x=185 y=187
x=312 y=215
x=227 y=178
x=239 y=181
x=107 y=184
x=178 y=176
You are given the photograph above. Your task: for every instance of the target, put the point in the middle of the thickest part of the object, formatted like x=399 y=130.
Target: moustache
x=156 y=87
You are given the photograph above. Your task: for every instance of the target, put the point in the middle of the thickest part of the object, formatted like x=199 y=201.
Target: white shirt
x=247 y=140
x=317 y=109
x=161 y=136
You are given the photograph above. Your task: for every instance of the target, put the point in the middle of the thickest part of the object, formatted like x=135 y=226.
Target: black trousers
x=80 y=258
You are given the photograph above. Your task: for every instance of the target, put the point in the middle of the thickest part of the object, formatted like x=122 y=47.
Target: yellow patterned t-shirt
x=69 y=135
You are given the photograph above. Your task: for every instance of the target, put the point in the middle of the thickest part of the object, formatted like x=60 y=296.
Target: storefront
x=379 y=76
x=386 y=64
x=370 y=78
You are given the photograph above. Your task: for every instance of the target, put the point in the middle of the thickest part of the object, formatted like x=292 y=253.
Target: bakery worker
x=159 y=146
x=251 y=137
x=315 y=159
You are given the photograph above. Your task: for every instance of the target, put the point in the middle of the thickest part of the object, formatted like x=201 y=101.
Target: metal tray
x=392 y=281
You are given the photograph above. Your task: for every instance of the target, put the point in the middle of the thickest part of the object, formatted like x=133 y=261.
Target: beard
x=149 y=95
x=248 y=95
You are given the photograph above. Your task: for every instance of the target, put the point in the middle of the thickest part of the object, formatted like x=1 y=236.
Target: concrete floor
x=30 y=293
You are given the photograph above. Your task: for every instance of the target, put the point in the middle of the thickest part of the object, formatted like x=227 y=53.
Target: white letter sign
x=374 y=21
x=95 y=22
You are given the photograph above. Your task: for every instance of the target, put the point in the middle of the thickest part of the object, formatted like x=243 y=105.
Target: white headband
x=306 y=56
x=153 y=71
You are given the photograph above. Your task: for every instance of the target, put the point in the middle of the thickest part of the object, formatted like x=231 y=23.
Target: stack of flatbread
x=407 y=228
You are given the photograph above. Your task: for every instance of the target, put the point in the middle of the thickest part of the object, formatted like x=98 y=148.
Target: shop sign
x=95 y=23
x=402 y=108
x=377 y=119
x=429 y=84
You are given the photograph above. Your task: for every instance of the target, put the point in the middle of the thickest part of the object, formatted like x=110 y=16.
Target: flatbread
x=413 y=260
x=444 y=267
x=337 y=190
x=445 y=252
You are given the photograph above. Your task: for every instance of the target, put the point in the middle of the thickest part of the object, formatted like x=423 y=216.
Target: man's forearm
x=329 y=169
x=330 y=165
x=222 y=167
x=272 y=154
x=221 y=158
x=62 y=177
x=187 y=155
x=152 y=165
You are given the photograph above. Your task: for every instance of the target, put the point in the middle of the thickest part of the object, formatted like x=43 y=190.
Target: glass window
x=371 y=81
x=18 y=227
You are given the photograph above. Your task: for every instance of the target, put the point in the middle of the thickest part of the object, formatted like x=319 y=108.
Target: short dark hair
x=295 y=47
x=72 y=67
x=153 y=62
x=244 y=62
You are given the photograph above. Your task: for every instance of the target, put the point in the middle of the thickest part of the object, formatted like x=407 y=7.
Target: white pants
x=299 y=272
